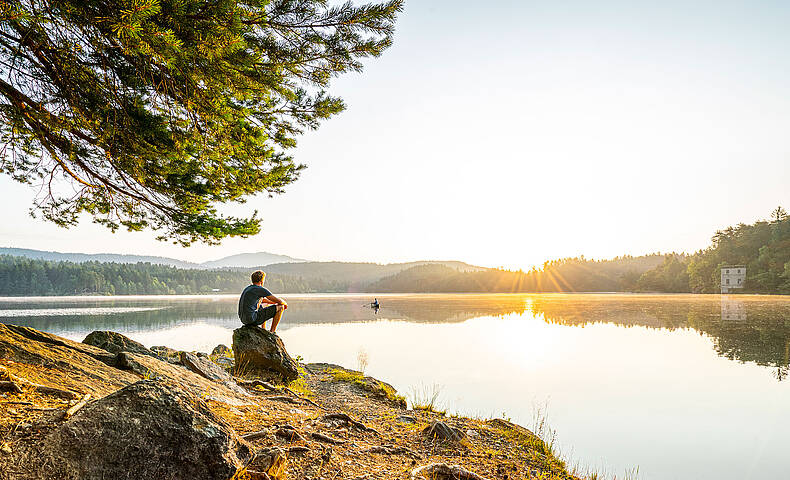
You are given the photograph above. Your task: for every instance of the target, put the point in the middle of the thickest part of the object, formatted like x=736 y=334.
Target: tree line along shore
x=763 y=247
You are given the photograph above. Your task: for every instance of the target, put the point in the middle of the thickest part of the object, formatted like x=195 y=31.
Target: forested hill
x=764 y=247
x=25 y=276
x=94 y=257
x=356 y=275
x=28 y=276
x=564 y=275
x=233 y=261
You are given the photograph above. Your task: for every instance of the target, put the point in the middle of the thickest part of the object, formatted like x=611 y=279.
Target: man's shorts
x=262 y=314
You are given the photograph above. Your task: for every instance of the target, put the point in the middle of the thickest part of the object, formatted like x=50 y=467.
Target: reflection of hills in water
x=450 y=308
x=743 y=328
x=104 y=314
x=152 y=313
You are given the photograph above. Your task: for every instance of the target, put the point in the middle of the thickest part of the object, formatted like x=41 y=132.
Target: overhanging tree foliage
x=148 y=113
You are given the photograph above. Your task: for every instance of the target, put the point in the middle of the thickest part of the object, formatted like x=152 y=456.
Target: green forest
x=24 y=276
x=564 y=275
x=763 y=247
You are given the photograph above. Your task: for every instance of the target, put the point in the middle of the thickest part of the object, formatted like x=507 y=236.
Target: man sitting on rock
x=252 y=309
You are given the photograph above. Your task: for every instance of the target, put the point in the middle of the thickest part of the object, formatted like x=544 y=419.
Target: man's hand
x=276 y=301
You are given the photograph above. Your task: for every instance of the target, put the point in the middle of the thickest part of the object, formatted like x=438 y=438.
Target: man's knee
x=280 y=308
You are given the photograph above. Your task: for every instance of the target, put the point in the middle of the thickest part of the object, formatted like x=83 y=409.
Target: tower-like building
x=732 y=277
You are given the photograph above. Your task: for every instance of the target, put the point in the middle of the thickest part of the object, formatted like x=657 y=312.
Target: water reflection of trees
x=173 y=312
x=745 y=329
x=164 y=315
x=451 y=308
x=742 y=328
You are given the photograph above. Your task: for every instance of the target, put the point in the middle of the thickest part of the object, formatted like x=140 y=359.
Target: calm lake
x=680 y=386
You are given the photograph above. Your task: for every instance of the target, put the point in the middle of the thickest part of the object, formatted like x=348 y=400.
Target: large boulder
x=148 y=430
x=210 y=370
x=114 y=342
x=152 y=368
x=258 y=349
x=221 y=350
x=80 y=368
x=166 y=353
x=441 y=431
x=204 y=367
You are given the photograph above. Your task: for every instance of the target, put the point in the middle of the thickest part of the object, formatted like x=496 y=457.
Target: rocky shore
x=111 y=408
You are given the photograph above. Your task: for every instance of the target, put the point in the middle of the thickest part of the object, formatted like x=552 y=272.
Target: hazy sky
x=508 y=133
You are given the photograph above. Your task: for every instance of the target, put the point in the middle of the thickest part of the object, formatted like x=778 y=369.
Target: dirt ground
x=378 y=438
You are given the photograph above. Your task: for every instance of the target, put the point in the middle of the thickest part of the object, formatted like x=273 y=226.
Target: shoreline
x=254 y=417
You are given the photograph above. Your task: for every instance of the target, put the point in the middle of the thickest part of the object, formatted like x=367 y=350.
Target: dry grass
x=300 y=385
x=426 y=397
x=494 y=450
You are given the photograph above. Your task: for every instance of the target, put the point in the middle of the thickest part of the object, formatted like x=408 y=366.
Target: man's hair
x=257 y=276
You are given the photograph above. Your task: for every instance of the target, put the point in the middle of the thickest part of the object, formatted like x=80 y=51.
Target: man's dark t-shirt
x=248 y=302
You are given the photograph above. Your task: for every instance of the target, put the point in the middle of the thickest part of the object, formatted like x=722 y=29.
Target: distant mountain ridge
x=355 y=275
x=27 y=276
x=248 y=260
x=240 y=261
x=358 y=274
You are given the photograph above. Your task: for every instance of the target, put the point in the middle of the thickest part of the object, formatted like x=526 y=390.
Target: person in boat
x=375 y=303
x=257 y=304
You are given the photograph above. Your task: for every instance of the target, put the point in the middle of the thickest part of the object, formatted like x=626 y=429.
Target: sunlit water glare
x=684 y=387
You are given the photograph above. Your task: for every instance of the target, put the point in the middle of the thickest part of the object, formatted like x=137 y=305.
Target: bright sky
x=508 y=133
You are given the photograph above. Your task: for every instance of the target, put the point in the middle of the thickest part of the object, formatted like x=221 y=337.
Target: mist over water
x=681 y=386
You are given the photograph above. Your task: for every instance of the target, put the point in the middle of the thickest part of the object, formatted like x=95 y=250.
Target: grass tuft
x=425 y=397
x=300 y=385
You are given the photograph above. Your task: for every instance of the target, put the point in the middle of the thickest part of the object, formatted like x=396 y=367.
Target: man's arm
x=274 y=300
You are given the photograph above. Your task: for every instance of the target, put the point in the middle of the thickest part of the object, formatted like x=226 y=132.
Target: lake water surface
x=680 y=386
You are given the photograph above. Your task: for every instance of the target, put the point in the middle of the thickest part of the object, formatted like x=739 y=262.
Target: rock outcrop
x=359 y=380
x=166 y=353
x=224 y=362
x=441 y=431
x=176 y=423
x=221 y=350
x=269 y=463
x=153 y=368
x=148 y=430
x=210 y=370
x=443 y=471
x=258 y=349
x=85 y=368
x=114 y=342
x=203 y=367
x=514 y=430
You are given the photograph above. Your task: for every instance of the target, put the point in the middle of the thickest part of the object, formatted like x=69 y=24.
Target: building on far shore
x=732 y=277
